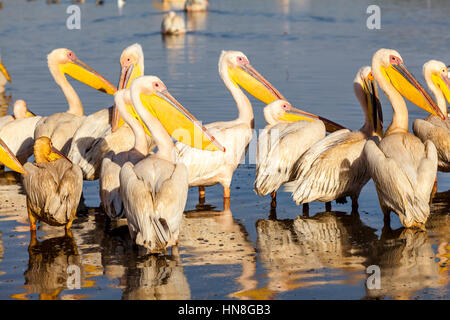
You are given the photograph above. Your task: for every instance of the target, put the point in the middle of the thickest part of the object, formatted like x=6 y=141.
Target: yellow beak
x=5 y=72
x=178 y=122
x=127 y=75
x=83 y=73
x=442 y=83
x=8 y=159
x=410 y=88
x=254 y=83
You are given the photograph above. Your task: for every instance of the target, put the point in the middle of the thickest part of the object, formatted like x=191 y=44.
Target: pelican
x=20 y=111
x=435 y=128
x=279 y=147
x=52 y=184
x=4 y=76
x=103 y=131
x=196 y=5
x=403 y=168
x=110 y=169
x=60 y=127
x=173 y=24
x=334 y=167
x=154 y=191
x=209 y=168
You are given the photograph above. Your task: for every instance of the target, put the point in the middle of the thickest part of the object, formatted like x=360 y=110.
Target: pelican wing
x=53 y=190
x=330 y=168
x=110 y=187
x=439 y=134
x=279 y=147
x=406 y=194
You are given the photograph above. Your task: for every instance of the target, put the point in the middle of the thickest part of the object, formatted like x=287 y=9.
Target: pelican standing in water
x=60 y=127
x=403 y=168
x=435 y=128
x=173 y=24
x=279 y=147
x=103 y=131
x=52 y=184
x=334 y=167
x=154 y=191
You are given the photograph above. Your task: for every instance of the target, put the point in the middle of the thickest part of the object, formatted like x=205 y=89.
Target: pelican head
x=4 y=71
x=64 y=61
x=8 y=159
x=241 y=73
x=45 y=152
x=282 y=111
x=151 y=93
x=132 y=67
x=389 y=64
x=366 y=91
x=20 y=110
x=436 y=75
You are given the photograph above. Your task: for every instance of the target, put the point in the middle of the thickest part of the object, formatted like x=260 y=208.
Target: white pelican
x=52 y=184
x=196 y=5
x=334 y=167
x=286 y=137
x=154 y=191
x=209 y=168
x=402 y=167
x=60 y=127
x=20 y=111
x=102 y=131
x=172 y=24
x=4 y=76
x=110 y=197
x=435 y=128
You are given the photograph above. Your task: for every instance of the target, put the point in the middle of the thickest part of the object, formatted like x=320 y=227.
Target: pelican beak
x=373 y=104
x=30 y=114
x=83 y=73
x=410 y=88
x=295 y=114
x=8 y=159
x=254 y=83
x=179 y=122
x=5 y=72
x=443 y=83
x=60 y=154
x=127 y=75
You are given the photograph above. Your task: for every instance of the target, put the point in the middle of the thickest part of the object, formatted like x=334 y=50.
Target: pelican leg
x=201 y=195
x=226 y=192
x=306 y=209
x=226 y=204
x=328 y=206
x=434 y=191
x=31 y=218
x=273 y=204
x=355 y=204
x=68 y=225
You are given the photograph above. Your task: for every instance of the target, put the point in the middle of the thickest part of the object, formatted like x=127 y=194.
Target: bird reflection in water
x=48 y=263
x=407 y=261
x=296 y=252
x=211 y=237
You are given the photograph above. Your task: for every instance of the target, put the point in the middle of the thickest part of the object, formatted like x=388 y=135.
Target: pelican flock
x=147 y=149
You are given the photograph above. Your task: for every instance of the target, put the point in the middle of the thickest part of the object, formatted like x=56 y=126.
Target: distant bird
x=435 y=128
x=53 y=186
x=196 y=5
x=288 y=134
x=402 y=167
x=335 y=167
x=173 y=24
x=99 y=2
x=121 y=3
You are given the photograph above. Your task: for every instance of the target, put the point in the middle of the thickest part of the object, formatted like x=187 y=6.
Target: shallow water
x=310 y=50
